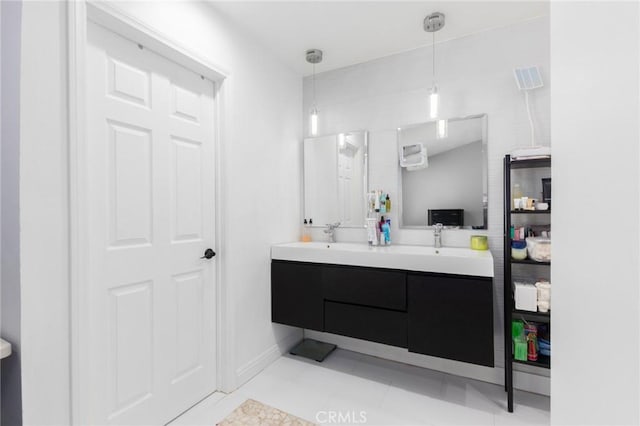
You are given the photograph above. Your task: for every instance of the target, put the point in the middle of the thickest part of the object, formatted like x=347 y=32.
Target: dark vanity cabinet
x=446 y=316
x=451 y=317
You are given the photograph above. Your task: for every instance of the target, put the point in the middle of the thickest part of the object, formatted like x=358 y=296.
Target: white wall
x=44 y=271
x=261 y=157
x=10 y=249
x=595 y=274
x=475 y=75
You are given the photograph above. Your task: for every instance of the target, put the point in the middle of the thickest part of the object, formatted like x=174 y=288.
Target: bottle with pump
x=387 y=204
x=306 y=232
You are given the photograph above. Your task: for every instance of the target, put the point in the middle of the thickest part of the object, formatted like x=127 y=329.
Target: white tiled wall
x=475 y=75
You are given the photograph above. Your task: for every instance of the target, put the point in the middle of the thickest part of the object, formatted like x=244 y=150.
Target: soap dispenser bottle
x=306 y=234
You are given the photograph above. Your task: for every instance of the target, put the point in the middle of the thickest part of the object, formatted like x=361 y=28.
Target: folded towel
x=531 y=152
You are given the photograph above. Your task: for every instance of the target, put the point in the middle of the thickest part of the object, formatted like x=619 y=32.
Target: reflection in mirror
x=335 y=179
x=443 y=167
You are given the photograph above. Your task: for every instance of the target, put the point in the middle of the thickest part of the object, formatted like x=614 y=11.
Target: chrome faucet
x=330 y=231
x=437 y=235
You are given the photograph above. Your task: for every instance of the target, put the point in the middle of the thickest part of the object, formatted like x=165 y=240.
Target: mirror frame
x=365 y=182
x=485 y=173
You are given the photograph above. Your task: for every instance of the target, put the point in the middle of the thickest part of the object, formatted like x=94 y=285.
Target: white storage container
x=539 y=249
x=526 y=296
x=544 y=295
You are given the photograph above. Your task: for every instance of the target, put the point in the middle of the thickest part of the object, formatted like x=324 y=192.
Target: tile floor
x=351 y=388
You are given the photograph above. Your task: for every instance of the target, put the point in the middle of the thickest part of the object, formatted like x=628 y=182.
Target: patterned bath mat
x=256 y=413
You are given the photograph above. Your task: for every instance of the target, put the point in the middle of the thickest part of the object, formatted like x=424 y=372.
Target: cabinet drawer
x=366 y=286
x=362 y=322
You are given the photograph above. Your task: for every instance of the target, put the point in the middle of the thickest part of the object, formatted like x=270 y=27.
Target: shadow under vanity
x=431 y=301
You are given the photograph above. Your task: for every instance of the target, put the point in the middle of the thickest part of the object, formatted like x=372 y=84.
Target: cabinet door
x=296 y=294
x=451 y=317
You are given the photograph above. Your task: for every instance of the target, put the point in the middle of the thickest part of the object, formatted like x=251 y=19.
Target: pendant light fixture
x=432 y=24
x=314 y=56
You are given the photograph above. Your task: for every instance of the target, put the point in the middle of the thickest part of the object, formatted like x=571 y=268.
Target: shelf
x=530 y=262
x=548 y=211
x=510 y=216
x=532 y=316
x=542 y=362
x=531 y=164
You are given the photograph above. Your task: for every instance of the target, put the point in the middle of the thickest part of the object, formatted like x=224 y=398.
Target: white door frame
x=80 y=12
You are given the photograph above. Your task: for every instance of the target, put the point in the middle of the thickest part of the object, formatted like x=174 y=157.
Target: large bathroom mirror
x=335 y=179
x=443 y=167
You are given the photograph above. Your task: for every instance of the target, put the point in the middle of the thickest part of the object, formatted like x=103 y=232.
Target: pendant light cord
x=314 y=85
x=433 y=62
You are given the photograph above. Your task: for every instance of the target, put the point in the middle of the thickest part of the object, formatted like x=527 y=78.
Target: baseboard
x=521 y=380
x=262 y=361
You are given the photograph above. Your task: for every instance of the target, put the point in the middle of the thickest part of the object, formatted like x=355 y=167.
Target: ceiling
x=351 y=32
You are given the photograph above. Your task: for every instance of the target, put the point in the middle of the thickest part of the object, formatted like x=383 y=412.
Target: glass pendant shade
x=313 y=122
x=434 y=102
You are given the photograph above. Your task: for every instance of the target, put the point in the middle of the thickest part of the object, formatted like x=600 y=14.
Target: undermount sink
x=446 y=260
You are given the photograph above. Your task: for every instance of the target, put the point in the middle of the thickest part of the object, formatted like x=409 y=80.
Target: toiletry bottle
x=383 y=204
x=387 y=204
x=371 y=231
x=376 y=201
x=386 y=229
x=517 y=195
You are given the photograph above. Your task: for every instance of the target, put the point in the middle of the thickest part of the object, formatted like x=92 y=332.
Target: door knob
x=208 y=254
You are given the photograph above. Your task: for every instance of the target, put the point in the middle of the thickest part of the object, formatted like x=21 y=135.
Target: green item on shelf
x=517 y=329
x=519 y=349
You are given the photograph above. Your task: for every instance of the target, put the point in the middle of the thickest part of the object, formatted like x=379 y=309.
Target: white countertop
x=5 y=349
x=446 y=260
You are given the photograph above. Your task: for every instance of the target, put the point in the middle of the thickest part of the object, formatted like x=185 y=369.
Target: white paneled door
x=150 y=150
